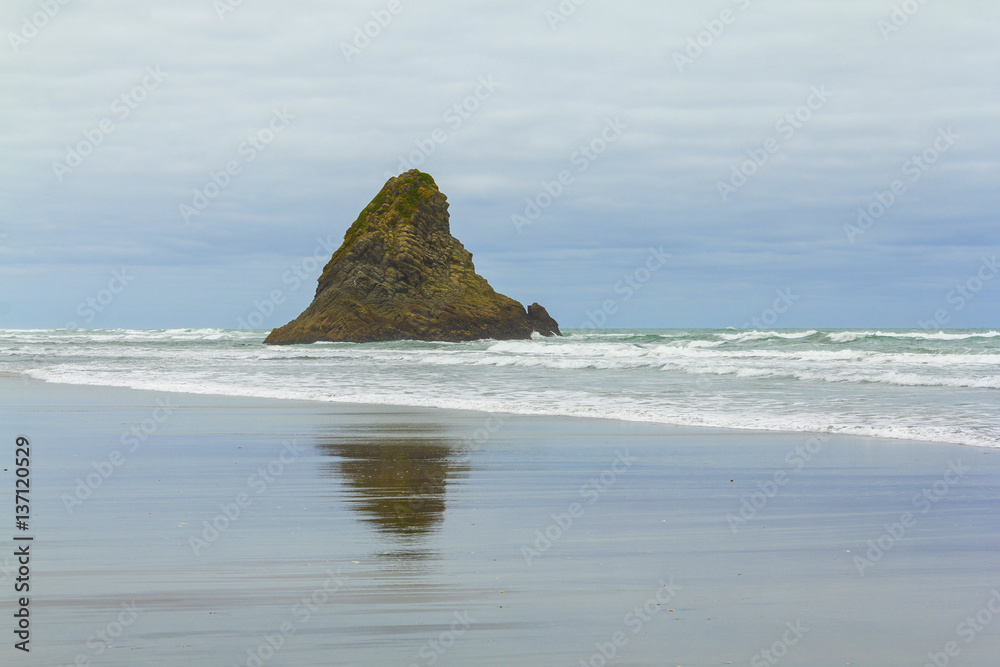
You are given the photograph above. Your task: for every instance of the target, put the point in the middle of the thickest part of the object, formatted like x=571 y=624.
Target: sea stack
x=401 y=275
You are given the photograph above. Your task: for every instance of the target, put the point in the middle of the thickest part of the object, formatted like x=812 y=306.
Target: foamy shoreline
x=905 y=385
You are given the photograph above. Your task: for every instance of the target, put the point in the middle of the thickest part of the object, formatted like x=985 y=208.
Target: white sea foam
x=851 y=336
x=914 y=385
x=569 y=404
x=744 y=336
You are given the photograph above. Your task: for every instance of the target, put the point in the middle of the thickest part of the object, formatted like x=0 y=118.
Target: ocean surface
x=909 y=384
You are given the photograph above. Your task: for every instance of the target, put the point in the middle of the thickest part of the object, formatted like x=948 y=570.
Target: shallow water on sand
x=381 y=536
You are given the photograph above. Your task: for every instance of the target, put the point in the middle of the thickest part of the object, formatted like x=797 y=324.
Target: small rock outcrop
x=401 y=275
x=542 y=321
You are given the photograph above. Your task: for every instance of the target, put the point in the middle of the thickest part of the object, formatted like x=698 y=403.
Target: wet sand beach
x=208 y=530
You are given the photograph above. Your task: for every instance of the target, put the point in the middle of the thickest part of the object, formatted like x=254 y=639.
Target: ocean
x=905 y=384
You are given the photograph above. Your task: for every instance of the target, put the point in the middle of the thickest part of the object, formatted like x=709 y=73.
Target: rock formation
x=401 y=275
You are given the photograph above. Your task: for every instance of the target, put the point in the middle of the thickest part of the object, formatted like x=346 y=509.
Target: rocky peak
x=400 y=274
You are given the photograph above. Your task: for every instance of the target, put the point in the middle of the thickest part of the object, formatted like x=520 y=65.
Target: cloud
x=357 y=117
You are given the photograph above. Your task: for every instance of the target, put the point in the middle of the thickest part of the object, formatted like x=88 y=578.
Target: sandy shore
x=181 y=529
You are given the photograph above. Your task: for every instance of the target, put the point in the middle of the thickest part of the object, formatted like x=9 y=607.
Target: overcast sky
x=115 y=115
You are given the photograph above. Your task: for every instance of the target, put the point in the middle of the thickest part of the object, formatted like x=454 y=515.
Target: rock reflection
x=397 y=484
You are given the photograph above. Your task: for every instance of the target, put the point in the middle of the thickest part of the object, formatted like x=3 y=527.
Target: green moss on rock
x=401 y=275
